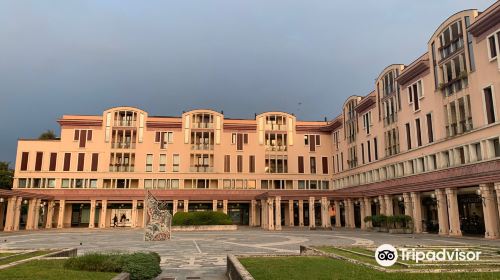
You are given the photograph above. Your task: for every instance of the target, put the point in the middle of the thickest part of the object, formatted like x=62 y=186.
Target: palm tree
x=47 y=135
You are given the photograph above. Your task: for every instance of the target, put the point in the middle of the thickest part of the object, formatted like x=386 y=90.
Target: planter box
x=401 y=230
x=205 y=228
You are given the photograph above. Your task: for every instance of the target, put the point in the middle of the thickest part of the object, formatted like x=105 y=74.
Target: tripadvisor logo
x=386 y=255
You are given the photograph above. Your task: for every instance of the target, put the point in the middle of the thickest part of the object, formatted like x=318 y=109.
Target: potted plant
x=367 y=220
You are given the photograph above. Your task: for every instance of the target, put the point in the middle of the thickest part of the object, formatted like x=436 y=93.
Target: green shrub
x=95 y=262
x=201 y=218
x=367 y=219
x=140 y=266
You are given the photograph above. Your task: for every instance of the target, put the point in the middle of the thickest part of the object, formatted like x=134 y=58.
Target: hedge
x=140 y=266
x=201 y=218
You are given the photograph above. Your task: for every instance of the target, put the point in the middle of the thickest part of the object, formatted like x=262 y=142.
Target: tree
x=47 y=135
x=6 y=175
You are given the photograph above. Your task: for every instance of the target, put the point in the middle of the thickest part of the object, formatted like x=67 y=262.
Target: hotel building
x=424 y=142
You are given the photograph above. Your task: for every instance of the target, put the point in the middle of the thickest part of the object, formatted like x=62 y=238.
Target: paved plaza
x=203 y=254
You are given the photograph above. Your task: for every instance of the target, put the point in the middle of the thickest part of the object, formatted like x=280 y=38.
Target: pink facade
x=427 y=134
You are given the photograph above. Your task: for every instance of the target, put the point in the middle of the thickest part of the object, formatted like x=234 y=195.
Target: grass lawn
x=50 y=269
x=23 y=256
x=6 y=254
x=326 y=268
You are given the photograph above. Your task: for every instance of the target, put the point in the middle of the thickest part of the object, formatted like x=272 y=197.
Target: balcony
x=123 y=145
x=390 y=119
x=201 y=168
x=451 y=48
x=125 y=123
x=121 y=168
x=455 y=85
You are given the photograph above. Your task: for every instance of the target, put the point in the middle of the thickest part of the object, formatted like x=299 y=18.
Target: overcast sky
x=304 y=57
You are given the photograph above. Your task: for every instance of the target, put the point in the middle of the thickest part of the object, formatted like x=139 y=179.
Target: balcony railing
x=121 y=168
x=455 y=85
x=202 y=147
x=276 y=148
x=451 y=48
x=201 y=168
x=272 y=126
x=203 y=125
x=125 y=123
x=123 y=145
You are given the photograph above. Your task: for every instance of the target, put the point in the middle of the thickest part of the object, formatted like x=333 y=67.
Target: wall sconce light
x=341 y=203
x=375 y=200
x=180 y=203
x=2 y=200
x=356 y=202
x=433 y=195
x=400 y=198
x=25 y=202
x=478 y=192
x=97 y=204
x=139 y=204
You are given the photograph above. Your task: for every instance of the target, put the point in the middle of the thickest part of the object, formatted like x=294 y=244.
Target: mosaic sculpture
x=158 y=219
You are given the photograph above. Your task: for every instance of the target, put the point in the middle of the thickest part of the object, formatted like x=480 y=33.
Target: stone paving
x=203 y=254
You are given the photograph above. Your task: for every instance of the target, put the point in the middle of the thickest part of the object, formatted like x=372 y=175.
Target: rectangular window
x=53 y=162
x=233 y=138
x=38 y=161
x=81 y=161
x=312 y=162
x=312 y=143
x=89 y=135
x=76 y=135
x=492 y=46
x=239 y=142
x=95 y=162
x=369 y=152
x=163 y=163
x=83 y=138
x=367 y=122
x=324 y=165
x=251 y=164
x=149 y=163
x=176 y=160
x=301 y=164
x=470 y=46
x=67 y=162
x=489 y=105
x=419 y=132
x=239 y=161
x=65 y=183
x=375 y=148
x=227 y=163
x=363 y=153
x=430 y=129
x=408 y=136
x=318 y=140
x=24 y=161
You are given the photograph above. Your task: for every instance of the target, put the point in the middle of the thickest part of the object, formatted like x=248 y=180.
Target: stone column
x=416 y=203
x=368 y=210
x=442 y=206
x=186 y=205
x=290 y=213
x=362 y=211
x=31 y=214
x=408 y=204
x=382 y=205
x=338 y=223
x=134 y=214
x=36 y=218
x=352 y=223
x=11 y=210
x=263 y=213
x=301 y=213
x=102 y=216
x=490 y=211
x=50 y=213
x=253 y=213
x=453 y=215
x=92 y=213
x=278 y=213
x=214 y=205
x=17 y=213
x=389 y=205
x=325 y=215
x=270 y=214
x=60 y=217
x=312 y=216
x=224 y=206
x=497 y=188
x=175 y=203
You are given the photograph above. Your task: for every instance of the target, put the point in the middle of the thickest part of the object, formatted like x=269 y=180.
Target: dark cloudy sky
x=81 y=57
